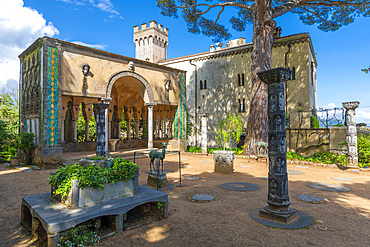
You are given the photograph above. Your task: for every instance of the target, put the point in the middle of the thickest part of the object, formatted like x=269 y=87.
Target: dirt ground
x=224 y=221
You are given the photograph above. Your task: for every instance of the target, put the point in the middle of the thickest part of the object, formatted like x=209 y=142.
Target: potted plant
x=228 y=130
x=24 y=142
x=78 y=186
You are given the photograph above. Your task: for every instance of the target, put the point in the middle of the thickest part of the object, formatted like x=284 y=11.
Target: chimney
x=277 y=33
x=219 y=46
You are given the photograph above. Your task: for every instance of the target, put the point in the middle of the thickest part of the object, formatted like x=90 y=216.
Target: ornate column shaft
x=128 y=121
x=150 y=124
x=278 y=197
x=62 y=131
x=352 y=156
x=137 y=128
x=100 y=128
x=106 y=101
x=203 y=131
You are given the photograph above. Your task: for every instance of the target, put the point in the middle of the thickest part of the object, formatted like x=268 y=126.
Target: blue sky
x=108 y=25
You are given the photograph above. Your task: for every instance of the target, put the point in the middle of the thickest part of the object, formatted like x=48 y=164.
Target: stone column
x=87 y=127
x=101 y=128
x=137 y=128
x=278 y=198
x=106 y=101
x=128 y=121
x=204 y=138
x=352 y=156
x=74 y=121
x=62 y=131
x=150 y=124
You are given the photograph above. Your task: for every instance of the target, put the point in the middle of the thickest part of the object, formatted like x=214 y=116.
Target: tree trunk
x=263 y=27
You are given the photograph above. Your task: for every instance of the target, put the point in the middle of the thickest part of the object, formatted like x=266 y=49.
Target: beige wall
x=223 y=91
x=104 y=69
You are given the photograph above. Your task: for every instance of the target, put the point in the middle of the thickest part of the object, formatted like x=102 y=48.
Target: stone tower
x=151 y=42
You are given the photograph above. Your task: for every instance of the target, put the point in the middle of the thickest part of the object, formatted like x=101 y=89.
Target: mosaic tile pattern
x=52 y=96
x=41 y=122
x=176 y=124
x=182 y=107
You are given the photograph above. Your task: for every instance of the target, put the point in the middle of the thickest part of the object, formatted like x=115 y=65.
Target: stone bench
x=54 y=217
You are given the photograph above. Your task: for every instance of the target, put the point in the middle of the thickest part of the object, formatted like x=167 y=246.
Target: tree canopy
x=329 y=15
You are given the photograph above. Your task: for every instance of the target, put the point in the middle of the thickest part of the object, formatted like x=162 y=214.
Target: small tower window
x=241 y=105
x=293 y=73
x=201 y=84
x=205 y=84
x=241 y=79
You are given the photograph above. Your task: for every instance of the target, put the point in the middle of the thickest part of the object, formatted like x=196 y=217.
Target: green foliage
x=315 y=123
x=189 y=125
x=192 y=149
x=229 y=129
x=366 y=70
x=161 y=204
x=363 y=146
x=338 y=125
x=91 y=176
x=81 y=128
x=324 y=157
x=83 y=235
x=98 y=157
x=9 y=123
x=24 y=141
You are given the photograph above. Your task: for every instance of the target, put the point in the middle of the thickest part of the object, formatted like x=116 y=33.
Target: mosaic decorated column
x=352 y=156
x=150 y=124
x=204 y=127
x=100 y=128
x=278 y=197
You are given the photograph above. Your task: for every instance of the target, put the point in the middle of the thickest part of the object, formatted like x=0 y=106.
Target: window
x=241 y=105
x=203 y=84
x=241 y=79
x=293 y=73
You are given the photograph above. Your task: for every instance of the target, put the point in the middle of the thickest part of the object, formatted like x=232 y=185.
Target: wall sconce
x=85 y=69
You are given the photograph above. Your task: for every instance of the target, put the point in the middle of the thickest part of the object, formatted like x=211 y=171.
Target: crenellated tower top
x=151 y=42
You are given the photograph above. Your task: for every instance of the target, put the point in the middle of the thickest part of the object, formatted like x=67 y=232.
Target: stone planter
x=101 y=163
x=15 y=160
x=88 y=196
x=223 y=161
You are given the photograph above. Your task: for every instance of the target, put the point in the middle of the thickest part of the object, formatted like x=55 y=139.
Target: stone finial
x=131 y=66
x=212 y=48
x=275 y=75
x=351 y=105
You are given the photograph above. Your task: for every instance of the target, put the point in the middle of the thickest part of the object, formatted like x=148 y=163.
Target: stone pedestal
x=223 y=161
x=113 y=143
x=100 y=128
x=160 y=179
x=15 y=160
x=352 y=156
x=204 y=127
x=278 y=202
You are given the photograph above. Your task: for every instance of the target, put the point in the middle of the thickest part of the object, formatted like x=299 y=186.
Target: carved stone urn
x=223 y=161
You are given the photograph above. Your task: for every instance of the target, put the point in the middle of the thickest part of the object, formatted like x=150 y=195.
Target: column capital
x=150 y=104
x=275 y=75
x=351 y=105
x=203 y=114
x=106 y=100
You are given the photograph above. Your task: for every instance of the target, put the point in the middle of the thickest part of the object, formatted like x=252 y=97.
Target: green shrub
x=229 y=130
x=84 y=235
x=193 y=149
x=91 y=176
x=323 y=157
x=315 y=123
x=363 y=147
x=24 y=141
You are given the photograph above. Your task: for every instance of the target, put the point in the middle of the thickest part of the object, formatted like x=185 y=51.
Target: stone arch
x=148 y=96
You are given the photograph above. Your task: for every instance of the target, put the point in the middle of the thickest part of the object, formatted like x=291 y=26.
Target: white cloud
x=103 y=5
x=102 y=47
x=19 y=27
x=363 y=115
x=330 y=105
